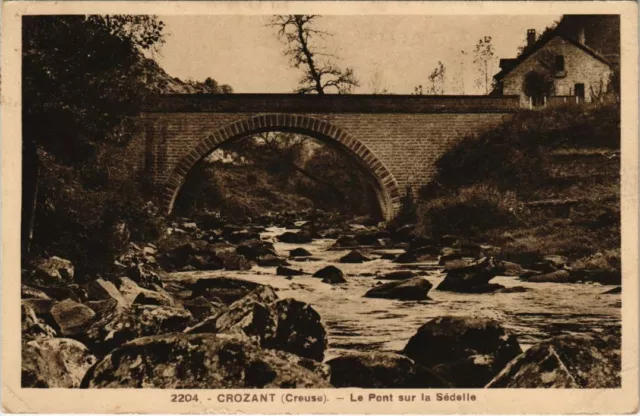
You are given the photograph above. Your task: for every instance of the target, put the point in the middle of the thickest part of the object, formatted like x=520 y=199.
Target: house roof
x=507 y=65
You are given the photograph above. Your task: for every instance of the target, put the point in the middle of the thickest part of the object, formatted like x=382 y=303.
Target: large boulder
x=55 y=362
x=602 y=276
x=71 y=317
x=201 y=361
x=250 y=316
x=287 y=324
x=381 y=370
x=115 y=325
x=54 y=270
x=567 y=361
x=473 y=277
x=416 y=288
x=299 y=330
x=354 y=256
x=466 y=351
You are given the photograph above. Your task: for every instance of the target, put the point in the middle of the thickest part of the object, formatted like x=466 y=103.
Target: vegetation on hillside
x=542 y=182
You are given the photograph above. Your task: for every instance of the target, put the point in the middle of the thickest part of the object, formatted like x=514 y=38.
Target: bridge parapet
x=351 y=103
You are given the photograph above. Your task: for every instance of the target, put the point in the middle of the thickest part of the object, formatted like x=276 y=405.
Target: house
x=559 y=67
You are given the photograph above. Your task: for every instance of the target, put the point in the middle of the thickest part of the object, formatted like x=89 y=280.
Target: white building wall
x=580 y=67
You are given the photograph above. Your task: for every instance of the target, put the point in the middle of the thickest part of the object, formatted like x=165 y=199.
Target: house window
x=559 y=63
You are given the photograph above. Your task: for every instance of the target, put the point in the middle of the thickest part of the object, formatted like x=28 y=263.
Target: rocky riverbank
x=304 y=300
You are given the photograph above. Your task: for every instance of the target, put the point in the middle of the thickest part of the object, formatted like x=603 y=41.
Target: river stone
x=398 y=275
x=71 y=317
x=299 y=330
x=32 y=327
x=101 y=289
x=116 y=325
x=381 y=370
x=54 y=270
x=286 y=271
x=354 y=256
x=334 y=279
x=613 y=291
x=28 y=292
x=512 y=269
x=222 y=289
x=301 y=237
x=271 y=260
x=130 y=292
x=466 y=351
x=201 y=307
x=567 y=361
x=559 y=276
x=472 y=278
x=602 y=276
x=345 y=242
x=149 y=297
x=55 y=362
x=237 y=237
x=255 y=248
x=201 y=361
x=251 y=316
x=330 y=273
x=416 y=288
x=299 y=252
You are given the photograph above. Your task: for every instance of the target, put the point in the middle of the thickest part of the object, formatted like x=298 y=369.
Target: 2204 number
x=184 y=398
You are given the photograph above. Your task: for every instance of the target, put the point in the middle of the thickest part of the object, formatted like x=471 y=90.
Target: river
x=365 y=324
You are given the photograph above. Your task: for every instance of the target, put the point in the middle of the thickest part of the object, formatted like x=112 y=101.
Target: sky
x=387 y=52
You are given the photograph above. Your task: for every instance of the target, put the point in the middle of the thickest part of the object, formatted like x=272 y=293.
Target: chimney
x=531 y=37
x=581 y=36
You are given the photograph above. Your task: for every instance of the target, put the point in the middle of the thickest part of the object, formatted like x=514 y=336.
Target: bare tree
x=321 y=74
x=436 y=78
x=483 y=57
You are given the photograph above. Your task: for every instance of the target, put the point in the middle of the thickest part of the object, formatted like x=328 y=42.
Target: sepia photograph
x=321 y=201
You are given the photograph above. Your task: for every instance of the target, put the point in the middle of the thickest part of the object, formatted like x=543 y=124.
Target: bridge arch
x=383 y=180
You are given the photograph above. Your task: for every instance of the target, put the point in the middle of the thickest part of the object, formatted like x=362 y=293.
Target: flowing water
x=365 y=324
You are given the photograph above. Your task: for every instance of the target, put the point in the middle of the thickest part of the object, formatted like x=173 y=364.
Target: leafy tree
x=483 y=58
x=321 y=73
x=83 y=76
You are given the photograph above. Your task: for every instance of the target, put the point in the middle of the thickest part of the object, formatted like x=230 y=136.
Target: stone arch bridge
x=394 y=139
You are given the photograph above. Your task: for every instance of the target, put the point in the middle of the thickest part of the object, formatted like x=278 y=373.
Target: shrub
x=474 y=211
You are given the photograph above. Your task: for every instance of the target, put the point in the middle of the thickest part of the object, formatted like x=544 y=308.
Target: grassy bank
x=543 y=182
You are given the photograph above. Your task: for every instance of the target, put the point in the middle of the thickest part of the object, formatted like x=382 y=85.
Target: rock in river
x=410 y=289
x=55 y=362
x=398 y=275
x=466 y=351
x=202 y=361
x=559 y=276
x=566 y=361
x=381 y=370
x=301 y=237
x=330 y=273
x=354 y=256
x=472 y=278
x=286 y=271
x=299 y=252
